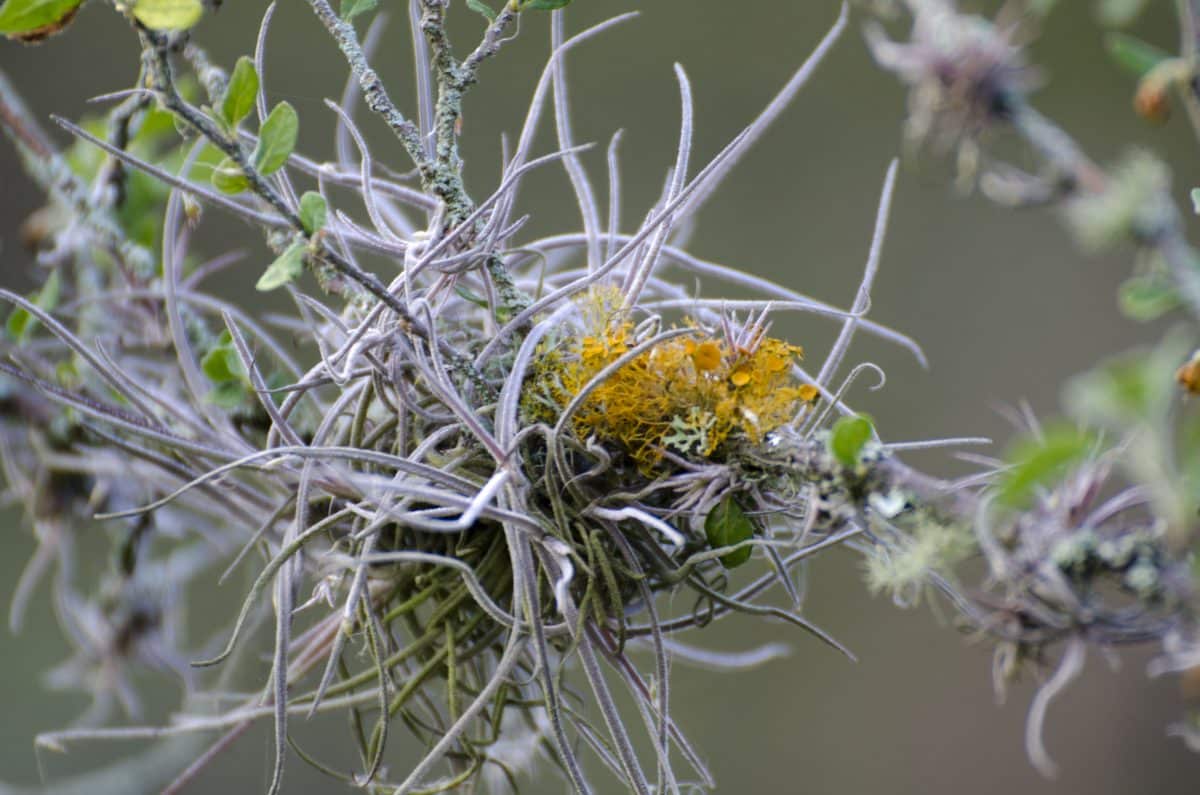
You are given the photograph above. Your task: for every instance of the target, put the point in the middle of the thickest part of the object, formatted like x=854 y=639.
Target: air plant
x=1080 y=563
x=468 y=494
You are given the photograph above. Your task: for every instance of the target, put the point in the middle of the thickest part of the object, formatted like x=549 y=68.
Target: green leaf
x=471 y=296
x=35 y=19
x=221 y=363
x=545 y=5
x=51 y=292
x=352 y=8
x=168 y=14
x=286 y=267
x=1118 y=392
x=1134 y=54
x=313 y=212
x=726 y=525
x=276 y=139
x=480 y=7
x=848 y=437
x=1136 y=389
x=1196 y=200
x=228 y=177
x=157 y=128
x=228 y=395
x=240 y=92
x=1146 y=298
x=20 y=322
x=1035 y=462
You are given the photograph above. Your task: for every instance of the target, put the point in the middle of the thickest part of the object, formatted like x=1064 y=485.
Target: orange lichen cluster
x=689 y=394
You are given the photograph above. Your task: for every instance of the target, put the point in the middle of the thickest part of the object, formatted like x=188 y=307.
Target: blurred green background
x=1003 y=303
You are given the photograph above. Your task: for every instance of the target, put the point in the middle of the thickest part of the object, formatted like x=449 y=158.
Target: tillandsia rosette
x=475 y=485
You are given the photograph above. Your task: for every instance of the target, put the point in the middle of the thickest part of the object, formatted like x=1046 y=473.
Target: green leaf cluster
x=139 y=213
x=276 y=135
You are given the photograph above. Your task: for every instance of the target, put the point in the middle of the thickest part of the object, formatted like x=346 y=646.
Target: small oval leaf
x=848 y=437
x=240 y=92
x=34 y=20
x=228 y=177
x=1147 y=298
x=276 y=139
x=726 y=525
x=313 y=212
x=286 y=267
x=480 y=7
x=1134 y=54
x=168 y=14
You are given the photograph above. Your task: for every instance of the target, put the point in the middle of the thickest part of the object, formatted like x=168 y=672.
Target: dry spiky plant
x=467 y=494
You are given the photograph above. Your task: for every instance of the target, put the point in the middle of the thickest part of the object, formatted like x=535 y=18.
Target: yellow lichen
x=689 y=395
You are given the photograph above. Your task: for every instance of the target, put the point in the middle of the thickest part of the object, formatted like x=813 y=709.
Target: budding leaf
x=1134 y=54
x=1038 y=461
x=313 y=212
x=1196 y=200
x=168 y=14
x=228 y=177
x=848 y=437
x=726 y=525
x=352 y=8
x=1146 y=298
x=33 y=20
x=276 y=139
x=479 y=7
x=286 y=267
x=240 y=92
